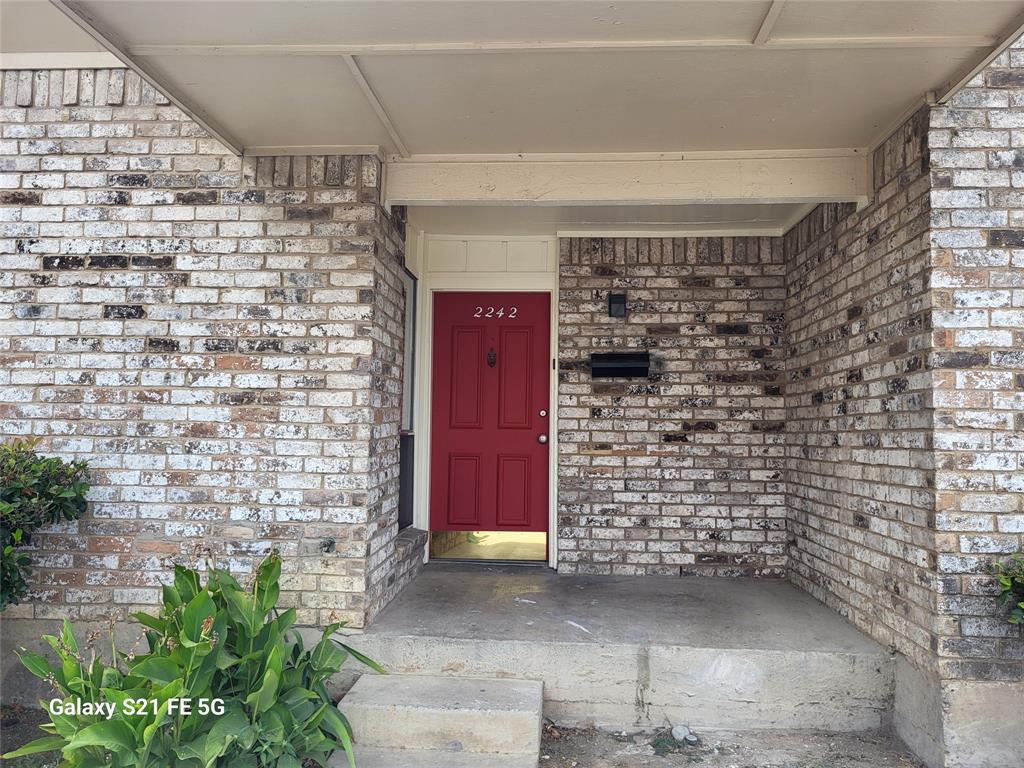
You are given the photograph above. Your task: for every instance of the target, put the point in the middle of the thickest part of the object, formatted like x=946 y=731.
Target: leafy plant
x=34 y=491
x=13 y=568
x=265 y=694
x=1010 y=574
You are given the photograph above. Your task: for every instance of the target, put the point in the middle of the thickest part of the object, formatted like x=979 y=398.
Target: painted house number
x=495 y=312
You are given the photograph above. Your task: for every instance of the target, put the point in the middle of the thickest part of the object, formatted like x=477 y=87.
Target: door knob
x=542 y=439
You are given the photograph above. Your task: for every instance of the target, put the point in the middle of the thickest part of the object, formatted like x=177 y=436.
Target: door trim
x=431 y=283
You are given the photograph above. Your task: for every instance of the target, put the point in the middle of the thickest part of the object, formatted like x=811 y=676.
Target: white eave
x=771 y=103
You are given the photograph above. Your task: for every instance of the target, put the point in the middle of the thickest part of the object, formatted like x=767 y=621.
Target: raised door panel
x=513 y=503
x=466 y=378
x=515 y=388
x=464 y=482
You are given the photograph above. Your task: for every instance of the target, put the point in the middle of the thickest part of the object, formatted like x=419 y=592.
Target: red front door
x=489 y=418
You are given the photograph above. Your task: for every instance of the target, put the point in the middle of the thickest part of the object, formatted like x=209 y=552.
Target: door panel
x=463 y=507
x=513 y=491
x=491 y=368
x=515 y=395
x=467 y=385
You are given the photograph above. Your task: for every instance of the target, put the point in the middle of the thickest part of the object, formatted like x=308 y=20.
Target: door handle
x=542 y=439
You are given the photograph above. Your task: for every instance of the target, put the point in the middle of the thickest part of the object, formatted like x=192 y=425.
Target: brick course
x=221 y=339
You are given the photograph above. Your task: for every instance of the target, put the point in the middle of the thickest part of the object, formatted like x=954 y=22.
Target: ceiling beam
x=695 y=229
x=842 y=177
x=764 y=33
x=277 y=150
x=59 y=60
x=571 y=46
x=378 y=107
x=109 y=41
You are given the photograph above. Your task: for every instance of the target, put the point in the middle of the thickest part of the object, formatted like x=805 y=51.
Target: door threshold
x=479 y=561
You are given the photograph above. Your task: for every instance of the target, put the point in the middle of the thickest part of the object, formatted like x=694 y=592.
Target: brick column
x=221 y=339
x=977 y=280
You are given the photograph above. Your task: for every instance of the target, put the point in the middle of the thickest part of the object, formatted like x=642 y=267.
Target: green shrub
x=217 y=642
x=34 y=491
x=1010 y=574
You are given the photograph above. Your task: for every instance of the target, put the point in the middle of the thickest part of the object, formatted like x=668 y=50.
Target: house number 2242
x=495 y=312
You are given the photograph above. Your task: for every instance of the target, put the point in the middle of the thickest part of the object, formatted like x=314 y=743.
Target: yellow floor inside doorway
x=489 y=545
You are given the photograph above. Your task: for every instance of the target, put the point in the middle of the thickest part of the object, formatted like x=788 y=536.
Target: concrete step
x=378 y=757
x=455 y=715
x=620 y=685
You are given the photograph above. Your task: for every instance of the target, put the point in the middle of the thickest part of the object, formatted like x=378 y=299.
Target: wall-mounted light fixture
x=616 y=305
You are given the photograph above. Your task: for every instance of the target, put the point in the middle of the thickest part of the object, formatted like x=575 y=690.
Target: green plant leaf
x=193 y=750
x=150 y=730
x=186 y=583
x=199 y=609
x=67 y=637
x=226 y=659
x=335 y=724
x=152 y=622
x=364 y=659
x=158 y=669
x=263 y=699
x=171 y=597
x=45 y=744
x=287 y=620
x=268 y=573
x=36 y=664
x=242 y=609
x=113 y=734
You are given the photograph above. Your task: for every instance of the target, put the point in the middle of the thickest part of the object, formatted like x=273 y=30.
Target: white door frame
x=438 y=282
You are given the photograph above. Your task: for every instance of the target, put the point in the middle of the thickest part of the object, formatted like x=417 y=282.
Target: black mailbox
x=620 y=365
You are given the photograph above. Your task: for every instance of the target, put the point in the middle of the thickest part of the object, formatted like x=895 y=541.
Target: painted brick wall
x=858 y=394
x=220 y=339
x=681 y=473
x=977 y=277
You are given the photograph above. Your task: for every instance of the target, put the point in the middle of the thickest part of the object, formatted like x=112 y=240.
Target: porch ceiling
x=490 y=80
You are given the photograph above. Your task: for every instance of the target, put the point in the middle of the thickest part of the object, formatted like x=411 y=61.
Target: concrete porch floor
x=623 y=651
x=505 y=602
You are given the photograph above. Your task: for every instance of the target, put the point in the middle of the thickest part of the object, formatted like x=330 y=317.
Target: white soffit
x=33 y=35
x=640 y=101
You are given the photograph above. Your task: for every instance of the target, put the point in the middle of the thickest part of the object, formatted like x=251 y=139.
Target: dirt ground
x=570 y=748
x=20 y=725
x=573 y=748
